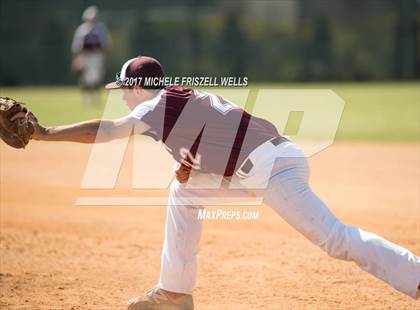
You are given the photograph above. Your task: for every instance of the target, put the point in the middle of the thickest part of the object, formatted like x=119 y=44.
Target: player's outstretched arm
x=91 y=131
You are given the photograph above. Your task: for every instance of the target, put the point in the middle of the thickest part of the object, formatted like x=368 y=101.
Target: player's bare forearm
x=84 y=132
x=92 y=131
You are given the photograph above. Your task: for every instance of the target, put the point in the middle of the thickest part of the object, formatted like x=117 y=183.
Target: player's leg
x=180 y=247
x=85 y=82
x=179 y=257
x=99 y=72
x=289 y=194
x=92 y=74
x=182 y=236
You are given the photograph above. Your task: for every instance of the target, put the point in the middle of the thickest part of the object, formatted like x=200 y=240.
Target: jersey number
x=193 y=162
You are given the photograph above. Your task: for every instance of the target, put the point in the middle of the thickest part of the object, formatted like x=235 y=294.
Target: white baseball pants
x=284 y=170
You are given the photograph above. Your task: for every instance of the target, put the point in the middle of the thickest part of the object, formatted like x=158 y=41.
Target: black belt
x=248 y=165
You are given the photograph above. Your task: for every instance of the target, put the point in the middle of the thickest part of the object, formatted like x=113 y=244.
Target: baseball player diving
x=219 y=148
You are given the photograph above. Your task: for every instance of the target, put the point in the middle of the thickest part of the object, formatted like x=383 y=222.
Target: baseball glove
x=19 y=131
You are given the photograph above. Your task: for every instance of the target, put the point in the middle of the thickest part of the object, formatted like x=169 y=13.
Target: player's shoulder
x=178 y=91
x=100 y=26
x=83 y=27
x=151 y=104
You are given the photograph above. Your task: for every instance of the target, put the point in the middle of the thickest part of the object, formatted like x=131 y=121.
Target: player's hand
x=39 y=131
x=183 y=173
x=76 y=65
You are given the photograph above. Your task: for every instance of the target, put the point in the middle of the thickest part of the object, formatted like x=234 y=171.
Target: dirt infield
x=55 y=255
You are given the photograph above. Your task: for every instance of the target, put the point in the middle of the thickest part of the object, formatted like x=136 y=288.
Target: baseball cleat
x=158 y=299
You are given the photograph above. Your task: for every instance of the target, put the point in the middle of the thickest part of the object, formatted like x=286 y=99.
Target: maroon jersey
x=92 y=41
x=212 y=134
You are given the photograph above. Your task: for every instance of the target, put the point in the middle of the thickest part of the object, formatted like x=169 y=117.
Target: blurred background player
x=89 y=46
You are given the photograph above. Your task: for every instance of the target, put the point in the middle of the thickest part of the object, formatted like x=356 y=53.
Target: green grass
x=373 y=111
x=54 y=105
x=380 y=112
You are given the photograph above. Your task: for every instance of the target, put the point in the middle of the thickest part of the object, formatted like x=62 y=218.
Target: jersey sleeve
x=150 y=112
x=141 y=111
x=77 y=43
x=106 y=39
